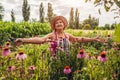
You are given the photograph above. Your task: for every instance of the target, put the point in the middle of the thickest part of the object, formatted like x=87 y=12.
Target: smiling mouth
x=59 y=26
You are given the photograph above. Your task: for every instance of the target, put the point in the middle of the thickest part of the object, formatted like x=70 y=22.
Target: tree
x=1 y=12
x=80 y=26
x=107 y=26
x=87 y=27
x=108 y=4
x=113 y=26
x=41 y=11
x=25 y=10
x=12 y=16
x=92 y=21
x=71 y=18
x=76 y=19
x=50 y=12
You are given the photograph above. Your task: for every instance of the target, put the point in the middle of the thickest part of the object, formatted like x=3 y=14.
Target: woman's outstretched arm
x=33 y=40
x=83 y=39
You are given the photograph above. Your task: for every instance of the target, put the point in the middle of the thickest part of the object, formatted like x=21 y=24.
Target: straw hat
x=52 y=23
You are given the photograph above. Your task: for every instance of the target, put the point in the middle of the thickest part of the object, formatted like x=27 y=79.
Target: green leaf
x=117 y=33
x=111 y=3
x=106 y=7
x=86 y=0
x=96 y=1
x=2 y=78
x=99 y=11
x=117 y=3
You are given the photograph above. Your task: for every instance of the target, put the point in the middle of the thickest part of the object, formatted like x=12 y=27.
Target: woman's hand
x=18 y=41
x=99 y=39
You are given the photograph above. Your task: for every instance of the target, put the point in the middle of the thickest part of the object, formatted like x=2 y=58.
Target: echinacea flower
x=21 y=56
x=108 y=36
x=61 y=49
x=102 y=57
x=32 y=67
x=81 y=54
x=6 y=51
x=7 y=44
x=11 y=68
x=67 y=70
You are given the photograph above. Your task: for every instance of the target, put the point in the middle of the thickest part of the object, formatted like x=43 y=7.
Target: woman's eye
x=56 y=23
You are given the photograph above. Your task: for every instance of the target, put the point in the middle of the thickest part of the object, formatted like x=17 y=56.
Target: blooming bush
x=88 y=61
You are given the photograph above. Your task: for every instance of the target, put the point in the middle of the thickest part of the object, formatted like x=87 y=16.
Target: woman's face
x=59 y=25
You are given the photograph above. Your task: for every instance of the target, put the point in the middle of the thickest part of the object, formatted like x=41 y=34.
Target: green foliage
x=41 y=12
x=12 y=16
x=106 y=7
x=11 y=30
x=117 y=33
x=71 y=19
x=25 y=10
x=50 y=13
x=65 y=59
x=76 y=19
x=117 y=2
x=1 y=12
x=92 y=22
x=90 y=33
x=87 y=27
x=107 y=4
x=48 y=68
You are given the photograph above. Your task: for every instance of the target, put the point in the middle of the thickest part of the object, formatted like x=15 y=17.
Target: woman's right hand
x=99 y=39
x=18 y=41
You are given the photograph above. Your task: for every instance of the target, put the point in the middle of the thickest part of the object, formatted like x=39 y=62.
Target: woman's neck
x=59 y=32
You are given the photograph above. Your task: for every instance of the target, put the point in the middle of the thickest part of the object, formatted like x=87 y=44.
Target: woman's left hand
x=99 y=39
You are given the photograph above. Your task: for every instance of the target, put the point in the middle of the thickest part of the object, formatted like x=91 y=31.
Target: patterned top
x=60 y=43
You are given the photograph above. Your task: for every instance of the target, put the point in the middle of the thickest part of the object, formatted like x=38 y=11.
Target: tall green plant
x=25 y=10
x=50 y=13
x=41 y=12
x=12 y=16
x=1 y=12
x=117 y=33
x=77 y=18
x=71 y=18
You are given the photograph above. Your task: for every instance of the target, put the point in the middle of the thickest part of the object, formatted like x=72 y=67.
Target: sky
x=60 y=7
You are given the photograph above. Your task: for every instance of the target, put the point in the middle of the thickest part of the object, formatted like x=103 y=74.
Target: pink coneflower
x=32 y=67
x=21 y=56
x=102 y=57
x=81 y=54
x=67 y=70
x=11 y=68
x=108 y=36
x=61 y=48
x=7 y=44
x=6 y=51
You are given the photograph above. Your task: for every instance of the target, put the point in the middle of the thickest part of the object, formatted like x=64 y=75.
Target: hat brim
x=52 y=23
